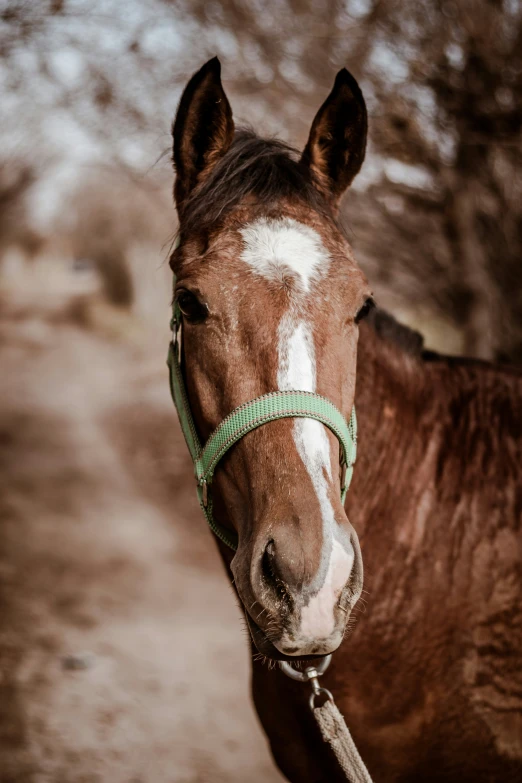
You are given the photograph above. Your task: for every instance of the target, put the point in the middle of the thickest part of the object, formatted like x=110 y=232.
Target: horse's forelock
x=267 y=170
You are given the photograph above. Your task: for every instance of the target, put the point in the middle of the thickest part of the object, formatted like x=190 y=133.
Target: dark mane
x=411 y=343
x=269 y=169
x=390 y=330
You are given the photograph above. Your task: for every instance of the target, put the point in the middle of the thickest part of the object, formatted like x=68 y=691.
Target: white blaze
x=272 y=248
x=297 y=371
x=275 y=247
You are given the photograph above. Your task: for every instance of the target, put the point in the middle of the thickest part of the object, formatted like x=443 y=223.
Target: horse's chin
x=265 y=647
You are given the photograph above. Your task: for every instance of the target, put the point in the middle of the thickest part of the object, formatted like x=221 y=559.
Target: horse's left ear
x=203 y=130
x=337 y=142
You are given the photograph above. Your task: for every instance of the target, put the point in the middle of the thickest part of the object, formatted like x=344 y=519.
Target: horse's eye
x=365 y=309
x=193 y=310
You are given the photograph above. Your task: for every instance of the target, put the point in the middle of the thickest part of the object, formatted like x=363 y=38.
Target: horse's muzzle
x=295 y=615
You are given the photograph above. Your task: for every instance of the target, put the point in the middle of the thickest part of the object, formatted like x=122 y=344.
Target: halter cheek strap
x=244 y=419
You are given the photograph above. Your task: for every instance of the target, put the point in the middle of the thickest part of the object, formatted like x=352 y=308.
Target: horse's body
x=430 y=679
x=271 y=297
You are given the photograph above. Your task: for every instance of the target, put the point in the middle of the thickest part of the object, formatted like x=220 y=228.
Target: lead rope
x=330 y=721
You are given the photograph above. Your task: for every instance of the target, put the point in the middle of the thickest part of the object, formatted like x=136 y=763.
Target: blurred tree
x=16 y=179
x=436 y=215
x=465 y=73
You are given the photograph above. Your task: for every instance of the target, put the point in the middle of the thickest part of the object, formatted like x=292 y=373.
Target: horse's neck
x=454 y=423
x=436 y=501
x=434 y=495
x=391 y=398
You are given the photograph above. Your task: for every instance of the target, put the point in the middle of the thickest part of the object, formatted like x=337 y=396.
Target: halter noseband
x=245 y=418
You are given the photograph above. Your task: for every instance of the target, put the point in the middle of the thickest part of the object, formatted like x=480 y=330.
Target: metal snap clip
x=311 y=675
x=175 y=327
x=204 y=491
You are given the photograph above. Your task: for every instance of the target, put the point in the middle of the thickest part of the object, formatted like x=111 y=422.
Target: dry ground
x=122 y=655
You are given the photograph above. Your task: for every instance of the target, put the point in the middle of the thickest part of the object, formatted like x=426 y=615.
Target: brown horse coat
x=430 y=679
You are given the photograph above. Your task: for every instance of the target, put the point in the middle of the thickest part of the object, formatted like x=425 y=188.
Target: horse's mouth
x=265 y=647
x=349 y=596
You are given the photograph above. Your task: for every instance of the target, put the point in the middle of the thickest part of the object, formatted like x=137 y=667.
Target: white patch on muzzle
x=317 y=618
x=297 y=372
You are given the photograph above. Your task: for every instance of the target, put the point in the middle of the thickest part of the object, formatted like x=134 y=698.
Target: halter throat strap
x=247 y=417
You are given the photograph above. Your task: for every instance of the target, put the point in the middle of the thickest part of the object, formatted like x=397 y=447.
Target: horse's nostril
x=268 y=563
x=272 y=576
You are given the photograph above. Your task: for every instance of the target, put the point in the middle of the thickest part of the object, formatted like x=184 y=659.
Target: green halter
x=245 y=418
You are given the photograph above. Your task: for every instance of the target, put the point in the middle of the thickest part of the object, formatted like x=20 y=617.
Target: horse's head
x=271 y=297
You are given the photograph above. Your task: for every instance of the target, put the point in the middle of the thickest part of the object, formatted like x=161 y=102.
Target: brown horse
x=430 y=679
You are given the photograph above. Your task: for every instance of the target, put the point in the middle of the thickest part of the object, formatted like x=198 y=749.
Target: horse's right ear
x=202 y=131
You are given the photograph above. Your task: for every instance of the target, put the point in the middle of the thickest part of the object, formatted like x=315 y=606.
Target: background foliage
x=88 y=91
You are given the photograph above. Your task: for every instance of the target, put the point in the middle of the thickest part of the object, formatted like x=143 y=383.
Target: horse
x=271 y=298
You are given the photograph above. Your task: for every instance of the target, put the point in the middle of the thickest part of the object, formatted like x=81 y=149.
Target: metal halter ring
x=305 y=675
x=174 y=328
x=311 y=675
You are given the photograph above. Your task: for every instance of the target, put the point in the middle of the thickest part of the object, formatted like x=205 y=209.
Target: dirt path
x=122 y=654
